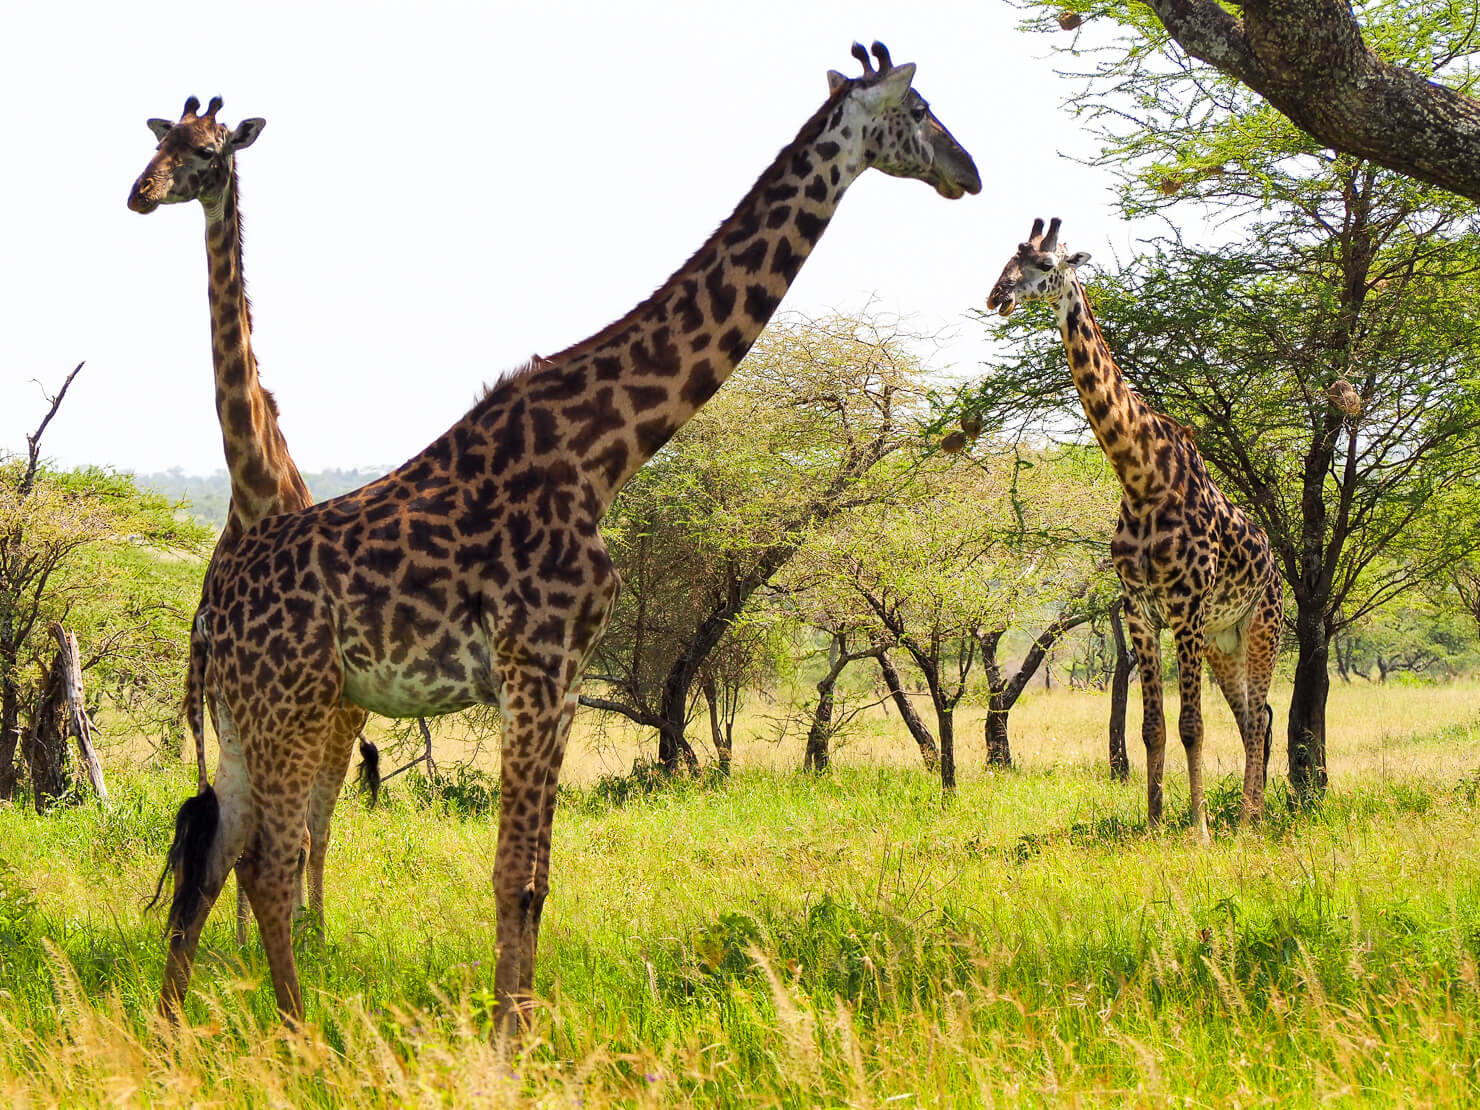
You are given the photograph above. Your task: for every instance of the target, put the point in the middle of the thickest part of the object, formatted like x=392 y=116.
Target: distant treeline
x=209 y=495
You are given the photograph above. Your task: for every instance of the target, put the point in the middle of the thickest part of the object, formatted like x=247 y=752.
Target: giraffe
x=475 y=572
x=196 y=160
x=1188 y=558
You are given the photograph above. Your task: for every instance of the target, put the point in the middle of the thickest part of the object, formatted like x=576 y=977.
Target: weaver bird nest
x=1346 y=399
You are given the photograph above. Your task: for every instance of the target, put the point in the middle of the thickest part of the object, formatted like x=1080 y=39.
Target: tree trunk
x=1006 y=691
x=674 y=749
x=928 y=751
x=945 y=722
x=1120 y=686
x=1306 y=736
x=717 y=733
x=10 y=723
x=999 y=750
x=44 y=745
x=816 y=757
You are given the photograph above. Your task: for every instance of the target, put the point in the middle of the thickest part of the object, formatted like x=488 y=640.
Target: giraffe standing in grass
x=1188 y=558
x=475 y=572
x=195 y=160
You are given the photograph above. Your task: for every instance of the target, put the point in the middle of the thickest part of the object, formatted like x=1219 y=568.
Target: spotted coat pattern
x=475 y=572
x=1188 y=558
x=196 y=160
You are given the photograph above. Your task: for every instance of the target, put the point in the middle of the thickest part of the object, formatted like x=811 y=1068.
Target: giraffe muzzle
x=1001 y=301
x=141 y=197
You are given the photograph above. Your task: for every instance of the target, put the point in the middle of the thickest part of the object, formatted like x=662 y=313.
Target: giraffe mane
x=529 y=365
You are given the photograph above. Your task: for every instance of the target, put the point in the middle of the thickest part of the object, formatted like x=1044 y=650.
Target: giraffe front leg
x=540 y=887
x=345 y=727
x=518 y=903
x=533 y=708
x=1189 y=640
x=1146 y=640
x=542 y=846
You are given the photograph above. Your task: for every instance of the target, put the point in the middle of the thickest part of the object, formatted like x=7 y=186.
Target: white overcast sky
x=443 y=189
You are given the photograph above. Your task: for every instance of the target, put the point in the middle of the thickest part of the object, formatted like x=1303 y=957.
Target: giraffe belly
x=419 y=685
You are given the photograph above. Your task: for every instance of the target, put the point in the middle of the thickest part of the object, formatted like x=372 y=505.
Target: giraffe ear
x=835 y=81
x=160 y=127
x=246 y=133
x=1078 y=258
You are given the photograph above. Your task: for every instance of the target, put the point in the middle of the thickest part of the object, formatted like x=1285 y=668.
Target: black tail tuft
x=195 y=829
x=370 y=769
x=1268 y=737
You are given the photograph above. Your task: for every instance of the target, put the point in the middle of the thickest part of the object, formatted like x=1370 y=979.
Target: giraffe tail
x=195 y=830
x=369 y=776
x=1268 y=736
x=195 y=690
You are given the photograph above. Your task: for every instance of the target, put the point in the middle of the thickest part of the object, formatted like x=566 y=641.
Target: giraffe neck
x=1127 y=429
x=264 y=479
x=618 y=396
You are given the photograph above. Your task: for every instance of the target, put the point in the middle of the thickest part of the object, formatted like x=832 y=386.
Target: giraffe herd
x=475 y=572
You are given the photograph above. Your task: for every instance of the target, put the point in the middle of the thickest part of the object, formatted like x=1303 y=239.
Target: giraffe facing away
x=195 y=160
x=475 y=572
x=1188 y=558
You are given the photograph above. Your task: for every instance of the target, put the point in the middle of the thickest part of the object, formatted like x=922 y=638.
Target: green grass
x=783 y=940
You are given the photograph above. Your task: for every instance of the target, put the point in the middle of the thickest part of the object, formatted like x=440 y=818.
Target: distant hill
x=208 y=496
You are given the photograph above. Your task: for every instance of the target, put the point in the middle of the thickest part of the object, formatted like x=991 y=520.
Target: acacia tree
x=1327 y=355
x=792 y=441
x=941 y=573
x=1059 y=506
x=87 y=548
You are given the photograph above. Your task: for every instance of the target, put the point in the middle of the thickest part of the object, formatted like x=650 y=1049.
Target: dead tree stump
x=60 y=714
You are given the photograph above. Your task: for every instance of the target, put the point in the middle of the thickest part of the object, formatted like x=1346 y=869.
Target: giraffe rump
x=195 y=830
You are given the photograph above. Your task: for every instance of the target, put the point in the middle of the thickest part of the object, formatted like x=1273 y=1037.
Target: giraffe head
x=1040 y=270
x=896 y=129
x=193 y=161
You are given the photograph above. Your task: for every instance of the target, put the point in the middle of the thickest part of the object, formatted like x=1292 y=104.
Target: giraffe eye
x=206 y=151
x=918 y=114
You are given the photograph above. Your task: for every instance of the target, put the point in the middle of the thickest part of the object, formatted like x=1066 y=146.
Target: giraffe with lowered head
x=1188 y=557
x=196 y=160
x=475 y=572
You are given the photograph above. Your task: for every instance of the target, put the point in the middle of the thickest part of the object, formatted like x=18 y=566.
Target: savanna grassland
x=778 y=939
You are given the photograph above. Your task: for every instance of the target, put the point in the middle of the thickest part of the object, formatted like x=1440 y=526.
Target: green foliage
x=800 y=434
x=118 y=567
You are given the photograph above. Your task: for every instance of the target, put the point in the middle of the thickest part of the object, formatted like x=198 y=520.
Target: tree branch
x=1308 y=59
x=33 y=441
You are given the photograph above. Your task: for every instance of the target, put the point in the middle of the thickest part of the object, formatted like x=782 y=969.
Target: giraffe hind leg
x=269 y=872
x=244 y=905
x=1244 y=679
x=210 y=830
